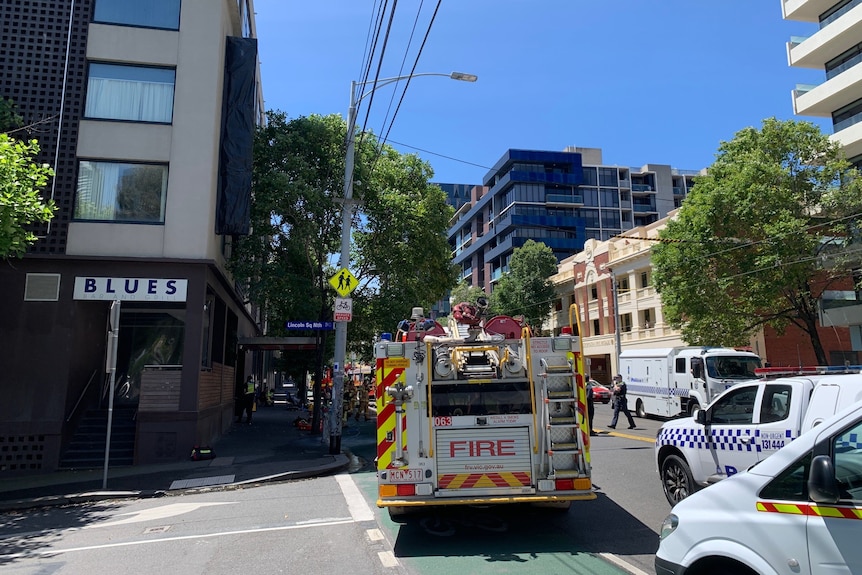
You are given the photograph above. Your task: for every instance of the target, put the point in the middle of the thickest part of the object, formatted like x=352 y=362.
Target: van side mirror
x=822 y=485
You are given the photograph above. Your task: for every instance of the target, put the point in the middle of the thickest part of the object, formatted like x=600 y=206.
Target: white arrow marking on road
x=158 y=513
x=356 y=504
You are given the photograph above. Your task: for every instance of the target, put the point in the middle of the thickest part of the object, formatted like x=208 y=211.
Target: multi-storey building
x=836 y=48
x=562 y=199
x=146 y=112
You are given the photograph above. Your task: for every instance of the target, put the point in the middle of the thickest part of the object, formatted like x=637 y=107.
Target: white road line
x=387 y=558
x=622 y=564
x=356 y=504
x=375 y=534
x=52 y=552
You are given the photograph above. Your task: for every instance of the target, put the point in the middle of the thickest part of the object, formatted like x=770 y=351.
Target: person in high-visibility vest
x=248 y=399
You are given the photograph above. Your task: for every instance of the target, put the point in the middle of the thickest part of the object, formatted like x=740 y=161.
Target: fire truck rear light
x=583 y=484
x=545 y=485
x=406 y=489
x=388 y=491
x=564 y=484
x=424 y=489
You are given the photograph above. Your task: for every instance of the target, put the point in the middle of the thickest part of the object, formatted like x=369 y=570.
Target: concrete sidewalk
x=272 y=448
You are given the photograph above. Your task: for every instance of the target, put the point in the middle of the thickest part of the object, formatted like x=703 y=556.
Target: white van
x=747 y=423
x=799 y=512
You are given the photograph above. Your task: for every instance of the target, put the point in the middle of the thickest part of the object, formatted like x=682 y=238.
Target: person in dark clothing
x=248 y=399
x=621 y=403
x=591 y=405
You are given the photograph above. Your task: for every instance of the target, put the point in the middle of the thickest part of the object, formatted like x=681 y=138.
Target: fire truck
x=478 y=413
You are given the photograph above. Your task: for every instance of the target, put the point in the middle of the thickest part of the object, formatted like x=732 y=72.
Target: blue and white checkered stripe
x=724 y=439
x=657 y=391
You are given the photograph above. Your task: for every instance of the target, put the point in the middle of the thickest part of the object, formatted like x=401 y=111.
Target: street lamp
x=356 y=96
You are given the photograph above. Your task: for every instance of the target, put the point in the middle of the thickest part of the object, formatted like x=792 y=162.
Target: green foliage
x=21 y=203
x=527 y=290
x=463 y=292
x=9 y=118
x=401 y=255
x=749 y=243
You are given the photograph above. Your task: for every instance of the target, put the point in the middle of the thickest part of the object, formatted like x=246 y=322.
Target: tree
x=760 y=237
x=401 y=255
x=527 y=290
x=21 y=203
x=463 y=292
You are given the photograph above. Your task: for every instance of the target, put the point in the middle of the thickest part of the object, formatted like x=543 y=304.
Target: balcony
x=805 y=10
x=642 y=188
x=564 y=199
x=829 y=96
x=827 y=43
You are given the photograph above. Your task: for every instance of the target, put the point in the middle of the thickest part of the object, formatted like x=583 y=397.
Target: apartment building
x=835 y=47
x=146 y=111
x=562 y=199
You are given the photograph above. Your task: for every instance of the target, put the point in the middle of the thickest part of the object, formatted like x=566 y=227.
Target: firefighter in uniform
x=363 y=403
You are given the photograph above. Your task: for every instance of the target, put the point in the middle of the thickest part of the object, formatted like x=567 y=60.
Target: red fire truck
x=480 y=412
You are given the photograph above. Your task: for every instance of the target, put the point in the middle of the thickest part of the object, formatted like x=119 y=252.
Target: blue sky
x=648 y=81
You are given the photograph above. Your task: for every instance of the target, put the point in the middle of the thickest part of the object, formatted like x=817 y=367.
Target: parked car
x=796 y=511
x=600 y=392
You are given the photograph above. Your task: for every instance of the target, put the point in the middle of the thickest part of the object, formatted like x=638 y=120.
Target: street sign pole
x=111 y=368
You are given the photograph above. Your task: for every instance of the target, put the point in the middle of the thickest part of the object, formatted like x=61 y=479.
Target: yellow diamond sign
x=343 y=282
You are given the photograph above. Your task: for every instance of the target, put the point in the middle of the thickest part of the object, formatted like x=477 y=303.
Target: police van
x=749 y=422
x=799 y=511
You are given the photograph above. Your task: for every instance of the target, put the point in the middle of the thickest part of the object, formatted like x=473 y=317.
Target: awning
x=282 y=343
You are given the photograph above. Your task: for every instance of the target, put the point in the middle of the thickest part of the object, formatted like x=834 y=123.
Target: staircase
x=86 y=450
x=562 y=447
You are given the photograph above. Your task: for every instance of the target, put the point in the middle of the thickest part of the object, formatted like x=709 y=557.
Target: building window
x=133 y=93
x=111 y=191
x=623 y=285
x=644 y=279
x=594 y=292
x=596 y=330
x=144 y=13
x=626 y=322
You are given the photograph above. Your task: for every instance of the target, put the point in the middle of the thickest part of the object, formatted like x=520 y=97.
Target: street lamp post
x=346 y=218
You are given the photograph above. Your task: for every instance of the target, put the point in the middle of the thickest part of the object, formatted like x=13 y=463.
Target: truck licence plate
x=404 y=475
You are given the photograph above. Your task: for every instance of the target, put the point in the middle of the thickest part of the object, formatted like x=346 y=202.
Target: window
x=737 y=407
x=644 y=279
x=144 y=13
x=133 y=93
x=848 y=463
x=775 y=404
x=596 y=327
x=679 y=364
x=626 y=322
x=594 y=292
x=110 y=191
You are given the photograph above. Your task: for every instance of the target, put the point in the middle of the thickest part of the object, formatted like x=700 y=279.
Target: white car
x=799 y=511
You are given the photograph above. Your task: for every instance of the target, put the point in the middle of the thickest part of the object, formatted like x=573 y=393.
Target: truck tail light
x=564 y=484
x=397 y=490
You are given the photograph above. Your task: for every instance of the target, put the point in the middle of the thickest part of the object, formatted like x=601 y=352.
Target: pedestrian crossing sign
x=343 y=282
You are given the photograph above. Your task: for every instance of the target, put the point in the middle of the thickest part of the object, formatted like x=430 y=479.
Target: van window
x=847 y=450
x=680 y=365
x=775 y=404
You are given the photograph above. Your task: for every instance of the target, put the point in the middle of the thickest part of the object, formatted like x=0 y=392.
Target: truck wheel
x=692 y=407
x=676 y=479
x=639 y=409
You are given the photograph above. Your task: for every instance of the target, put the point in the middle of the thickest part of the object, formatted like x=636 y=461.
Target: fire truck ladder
x=561 y=448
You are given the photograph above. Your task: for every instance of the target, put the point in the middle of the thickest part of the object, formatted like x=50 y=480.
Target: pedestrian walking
x=591 y=405
x=621 y=403
x=248 y=399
